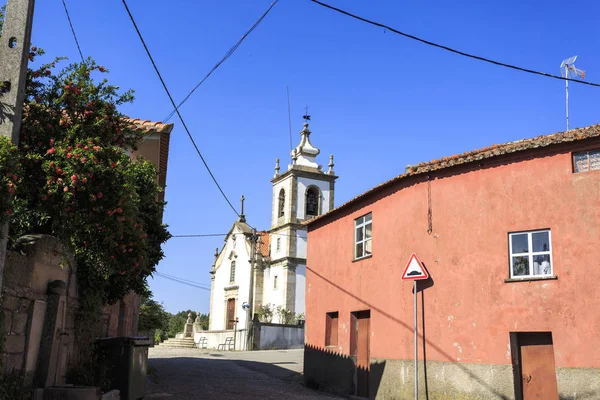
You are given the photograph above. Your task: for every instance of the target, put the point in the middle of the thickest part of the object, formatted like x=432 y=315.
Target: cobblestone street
x=190 y=374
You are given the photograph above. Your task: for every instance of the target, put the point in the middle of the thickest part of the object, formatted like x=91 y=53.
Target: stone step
x=180 y=341
x=177 y=346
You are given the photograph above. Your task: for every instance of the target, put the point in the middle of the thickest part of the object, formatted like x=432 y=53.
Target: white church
x=276 y=257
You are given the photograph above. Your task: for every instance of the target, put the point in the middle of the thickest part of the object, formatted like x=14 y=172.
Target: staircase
x=187 y=343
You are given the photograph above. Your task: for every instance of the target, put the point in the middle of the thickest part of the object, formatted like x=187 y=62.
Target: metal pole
x=567 y=105
x=14 y=52
x=416 y=347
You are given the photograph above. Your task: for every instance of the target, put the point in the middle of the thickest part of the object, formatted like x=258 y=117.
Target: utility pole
x=253 y=241
x=14 y=55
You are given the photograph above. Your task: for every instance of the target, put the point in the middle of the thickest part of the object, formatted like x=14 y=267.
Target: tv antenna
x=568 y=71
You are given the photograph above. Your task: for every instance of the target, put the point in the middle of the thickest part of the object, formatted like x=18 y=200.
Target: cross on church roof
x=306 y=116
x=242 y=216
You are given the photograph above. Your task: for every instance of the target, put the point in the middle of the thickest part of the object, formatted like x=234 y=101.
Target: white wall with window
x=530 y=254
x=363 y=230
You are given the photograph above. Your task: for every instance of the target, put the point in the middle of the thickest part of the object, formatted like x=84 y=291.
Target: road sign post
x=415 y=271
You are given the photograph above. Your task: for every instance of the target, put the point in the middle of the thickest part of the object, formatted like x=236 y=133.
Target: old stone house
x=510 y=237
x=298 y=194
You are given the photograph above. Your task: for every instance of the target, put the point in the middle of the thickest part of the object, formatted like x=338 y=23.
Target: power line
x=225 y=57
x=73 y=30
x=176 y=109
x=180 y=281
x=201 y=235
x=184 y=280
x=439 y=46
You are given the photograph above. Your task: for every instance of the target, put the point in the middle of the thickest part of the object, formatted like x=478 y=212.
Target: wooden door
x=359 y=340
x=230 y=314
x=538 y=372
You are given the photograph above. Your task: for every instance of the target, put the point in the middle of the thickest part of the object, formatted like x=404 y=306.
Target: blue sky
x=378 y=101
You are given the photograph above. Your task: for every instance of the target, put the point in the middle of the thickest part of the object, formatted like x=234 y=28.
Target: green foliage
x=177 y=322
x=265 y=313
x=80 y=186
x=10 y=177
x=285 y=316
x=153 y=316
x=12 y=386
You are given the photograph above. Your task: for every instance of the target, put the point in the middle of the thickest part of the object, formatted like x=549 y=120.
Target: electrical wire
x=176 y=109
x=225 y=57
x=462 y=53
x=201 y=235
x=181 y=281
x=184 y=280
x=73 y=30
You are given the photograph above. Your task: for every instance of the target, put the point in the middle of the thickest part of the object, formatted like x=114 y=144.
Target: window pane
x=580 y=162
x=359 y=250
x=541 y=265
x=541 y=241
x=520 y=266
x=359 y=234
x=595 y=160
x=368 y=217
x=360 y=220
x=368 y=229
x=519 y=243
x=368 y=247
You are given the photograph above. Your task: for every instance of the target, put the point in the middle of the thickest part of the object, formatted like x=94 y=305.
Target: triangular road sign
x=414 y=270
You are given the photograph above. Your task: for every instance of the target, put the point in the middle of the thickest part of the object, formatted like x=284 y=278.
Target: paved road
x=182 y=374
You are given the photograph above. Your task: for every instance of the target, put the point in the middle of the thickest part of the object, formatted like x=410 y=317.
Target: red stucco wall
x=470 y=310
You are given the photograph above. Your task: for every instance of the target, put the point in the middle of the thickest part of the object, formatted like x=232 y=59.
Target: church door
x=230 y=314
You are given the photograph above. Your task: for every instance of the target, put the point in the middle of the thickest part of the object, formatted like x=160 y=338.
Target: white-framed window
x=586 y=161
x=275 y=282
x=278 y=244
x=363 y=228
x=530 y=253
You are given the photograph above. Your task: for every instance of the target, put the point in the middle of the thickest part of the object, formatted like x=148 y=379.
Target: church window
x=232 y=272
x=281 y=209
x=278 y=244
x=275 y=282
x=363 y=228
x=312 y=201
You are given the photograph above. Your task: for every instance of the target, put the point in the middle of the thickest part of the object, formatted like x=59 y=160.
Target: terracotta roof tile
x=265 y=243
x=146 y=125
x=572 y=135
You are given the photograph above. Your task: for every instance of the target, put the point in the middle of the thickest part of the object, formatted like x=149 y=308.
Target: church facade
x=255 y=269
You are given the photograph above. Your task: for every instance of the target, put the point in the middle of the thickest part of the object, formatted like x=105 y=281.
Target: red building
x=510 y=235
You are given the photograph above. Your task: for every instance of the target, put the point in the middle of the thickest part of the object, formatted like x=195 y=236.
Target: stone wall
x=40 y=300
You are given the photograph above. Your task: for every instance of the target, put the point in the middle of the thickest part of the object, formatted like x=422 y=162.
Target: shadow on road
x=206 y=377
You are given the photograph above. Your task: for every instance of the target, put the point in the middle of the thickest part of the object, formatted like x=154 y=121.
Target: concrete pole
x=251 y=289
x=14 y=55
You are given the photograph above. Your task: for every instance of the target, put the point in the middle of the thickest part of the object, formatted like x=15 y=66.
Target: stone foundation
x=394 y=379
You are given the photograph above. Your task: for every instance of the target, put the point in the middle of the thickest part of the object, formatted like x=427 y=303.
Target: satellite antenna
x=568 y=71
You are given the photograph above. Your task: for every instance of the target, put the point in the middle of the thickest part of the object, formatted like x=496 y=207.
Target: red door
x=359 y=348
x=230 y=314
x=538 y=372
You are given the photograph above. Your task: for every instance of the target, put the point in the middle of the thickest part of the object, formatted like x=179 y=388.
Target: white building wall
x=300 y=289
x=282 y=236
x=303 y=184
x=222 y=275
x=301 y=243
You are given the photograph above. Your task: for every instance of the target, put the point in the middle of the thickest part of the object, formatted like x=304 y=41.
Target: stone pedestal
x=188 y=331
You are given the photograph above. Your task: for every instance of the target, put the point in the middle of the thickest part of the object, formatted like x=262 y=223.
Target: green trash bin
x=125 y=362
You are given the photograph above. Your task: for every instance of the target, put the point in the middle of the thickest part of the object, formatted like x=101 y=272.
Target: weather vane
x=306 y=116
